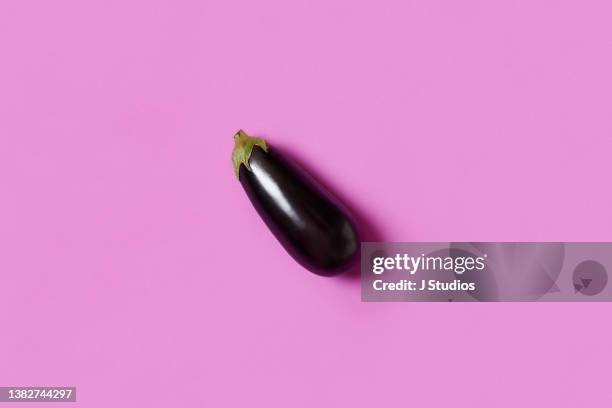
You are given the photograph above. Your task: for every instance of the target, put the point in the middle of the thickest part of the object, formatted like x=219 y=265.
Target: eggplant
x=311 y=224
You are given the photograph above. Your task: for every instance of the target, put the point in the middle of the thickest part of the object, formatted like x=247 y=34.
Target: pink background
x=134 y=267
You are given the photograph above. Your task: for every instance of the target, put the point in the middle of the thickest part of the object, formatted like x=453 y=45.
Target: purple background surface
x=134 y=267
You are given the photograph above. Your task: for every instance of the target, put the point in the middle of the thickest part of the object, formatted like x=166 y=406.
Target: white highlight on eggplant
x=275 y=191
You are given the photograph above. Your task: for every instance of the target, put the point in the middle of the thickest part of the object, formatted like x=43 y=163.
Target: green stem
x=243 y=148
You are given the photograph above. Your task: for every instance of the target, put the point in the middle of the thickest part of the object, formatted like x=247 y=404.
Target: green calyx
x=243 y=148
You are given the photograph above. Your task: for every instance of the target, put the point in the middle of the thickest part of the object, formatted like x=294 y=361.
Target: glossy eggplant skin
x=311 y=225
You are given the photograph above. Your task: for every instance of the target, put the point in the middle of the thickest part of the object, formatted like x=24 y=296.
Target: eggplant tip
x=243 y=148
